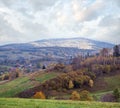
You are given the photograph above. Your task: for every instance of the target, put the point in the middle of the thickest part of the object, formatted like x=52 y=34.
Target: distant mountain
x=80 y=43
x=51 y=49
x=28 y=55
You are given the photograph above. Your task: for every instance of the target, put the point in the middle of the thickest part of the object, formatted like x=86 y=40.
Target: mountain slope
x=80 y=43
x=47 y=51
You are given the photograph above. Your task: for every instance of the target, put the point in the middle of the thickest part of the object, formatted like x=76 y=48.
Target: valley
x=60 y=73
x=59 y=53
x=33 y=56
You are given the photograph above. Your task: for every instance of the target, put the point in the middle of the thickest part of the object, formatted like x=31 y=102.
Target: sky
x=30 y=20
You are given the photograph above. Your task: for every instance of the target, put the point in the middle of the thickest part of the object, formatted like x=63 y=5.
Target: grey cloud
x=41 y=4
x=94 y=11
x=117 y=2
x=20 y=6
x=112 y=24
x=110 y=21
x=7 y=2
x=97 y=8
x=7 y=32
x=26 y=6
x=112 y=36
x=109 y=29
x=88 y=12
x=34 y=29
x=51 y=18
x=6 y=28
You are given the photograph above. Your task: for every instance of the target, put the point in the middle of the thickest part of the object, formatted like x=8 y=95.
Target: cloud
x=27 y=20
x=41 y=4
x=109 y=21
x=7 y=33
x=109 y=28
x=87 y=13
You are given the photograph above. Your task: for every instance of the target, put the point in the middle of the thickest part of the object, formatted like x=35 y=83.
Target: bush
x=71 y=85
x=5 y=77
x=85 y=96
x=91 y=83
x=108 y=98
x=59 y=67
x=39 y=95
x=75 y=96
x=92 y=75
x=14 y=74
x=116 y=93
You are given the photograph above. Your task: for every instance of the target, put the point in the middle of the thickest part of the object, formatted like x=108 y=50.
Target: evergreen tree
x=116 y=93
x=116 y=52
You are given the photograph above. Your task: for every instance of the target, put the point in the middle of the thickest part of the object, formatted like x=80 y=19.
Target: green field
x=11 y=88
x=112 y=82
x=45 y=77
x=36 y=103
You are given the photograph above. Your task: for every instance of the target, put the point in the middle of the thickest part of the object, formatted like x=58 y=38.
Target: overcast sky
x=30 y=20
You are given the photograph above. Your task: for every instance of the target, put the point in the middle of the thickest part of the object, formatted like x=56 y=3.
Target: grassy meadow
x=113 y=82
x=37 y=103
x=110 y=82
x=11 y=88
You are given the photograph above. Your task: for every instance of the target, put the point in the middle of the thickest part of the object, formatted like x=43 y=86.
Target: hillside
x=52 y=50
x=80 y=43
x=35 y=103
x=97 y=76
x=44 y=52
x=102 y=71
x=12 y=88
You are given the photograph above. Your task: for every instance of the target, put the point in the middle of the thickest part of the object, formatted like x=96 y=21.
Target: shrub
x=92 y=75
x=75 y=96
x=116 y=93
x=107 y=69
x=108 y=98
x=91 y=83
x=39 y=95
x=5 y=77
x=71 y=85
x=14 y=74
x=59 y=67
x=85 y=96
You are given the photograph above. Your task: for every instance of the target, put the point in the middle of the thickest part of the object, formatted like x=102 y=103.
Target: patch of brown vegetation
x=108 y=98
